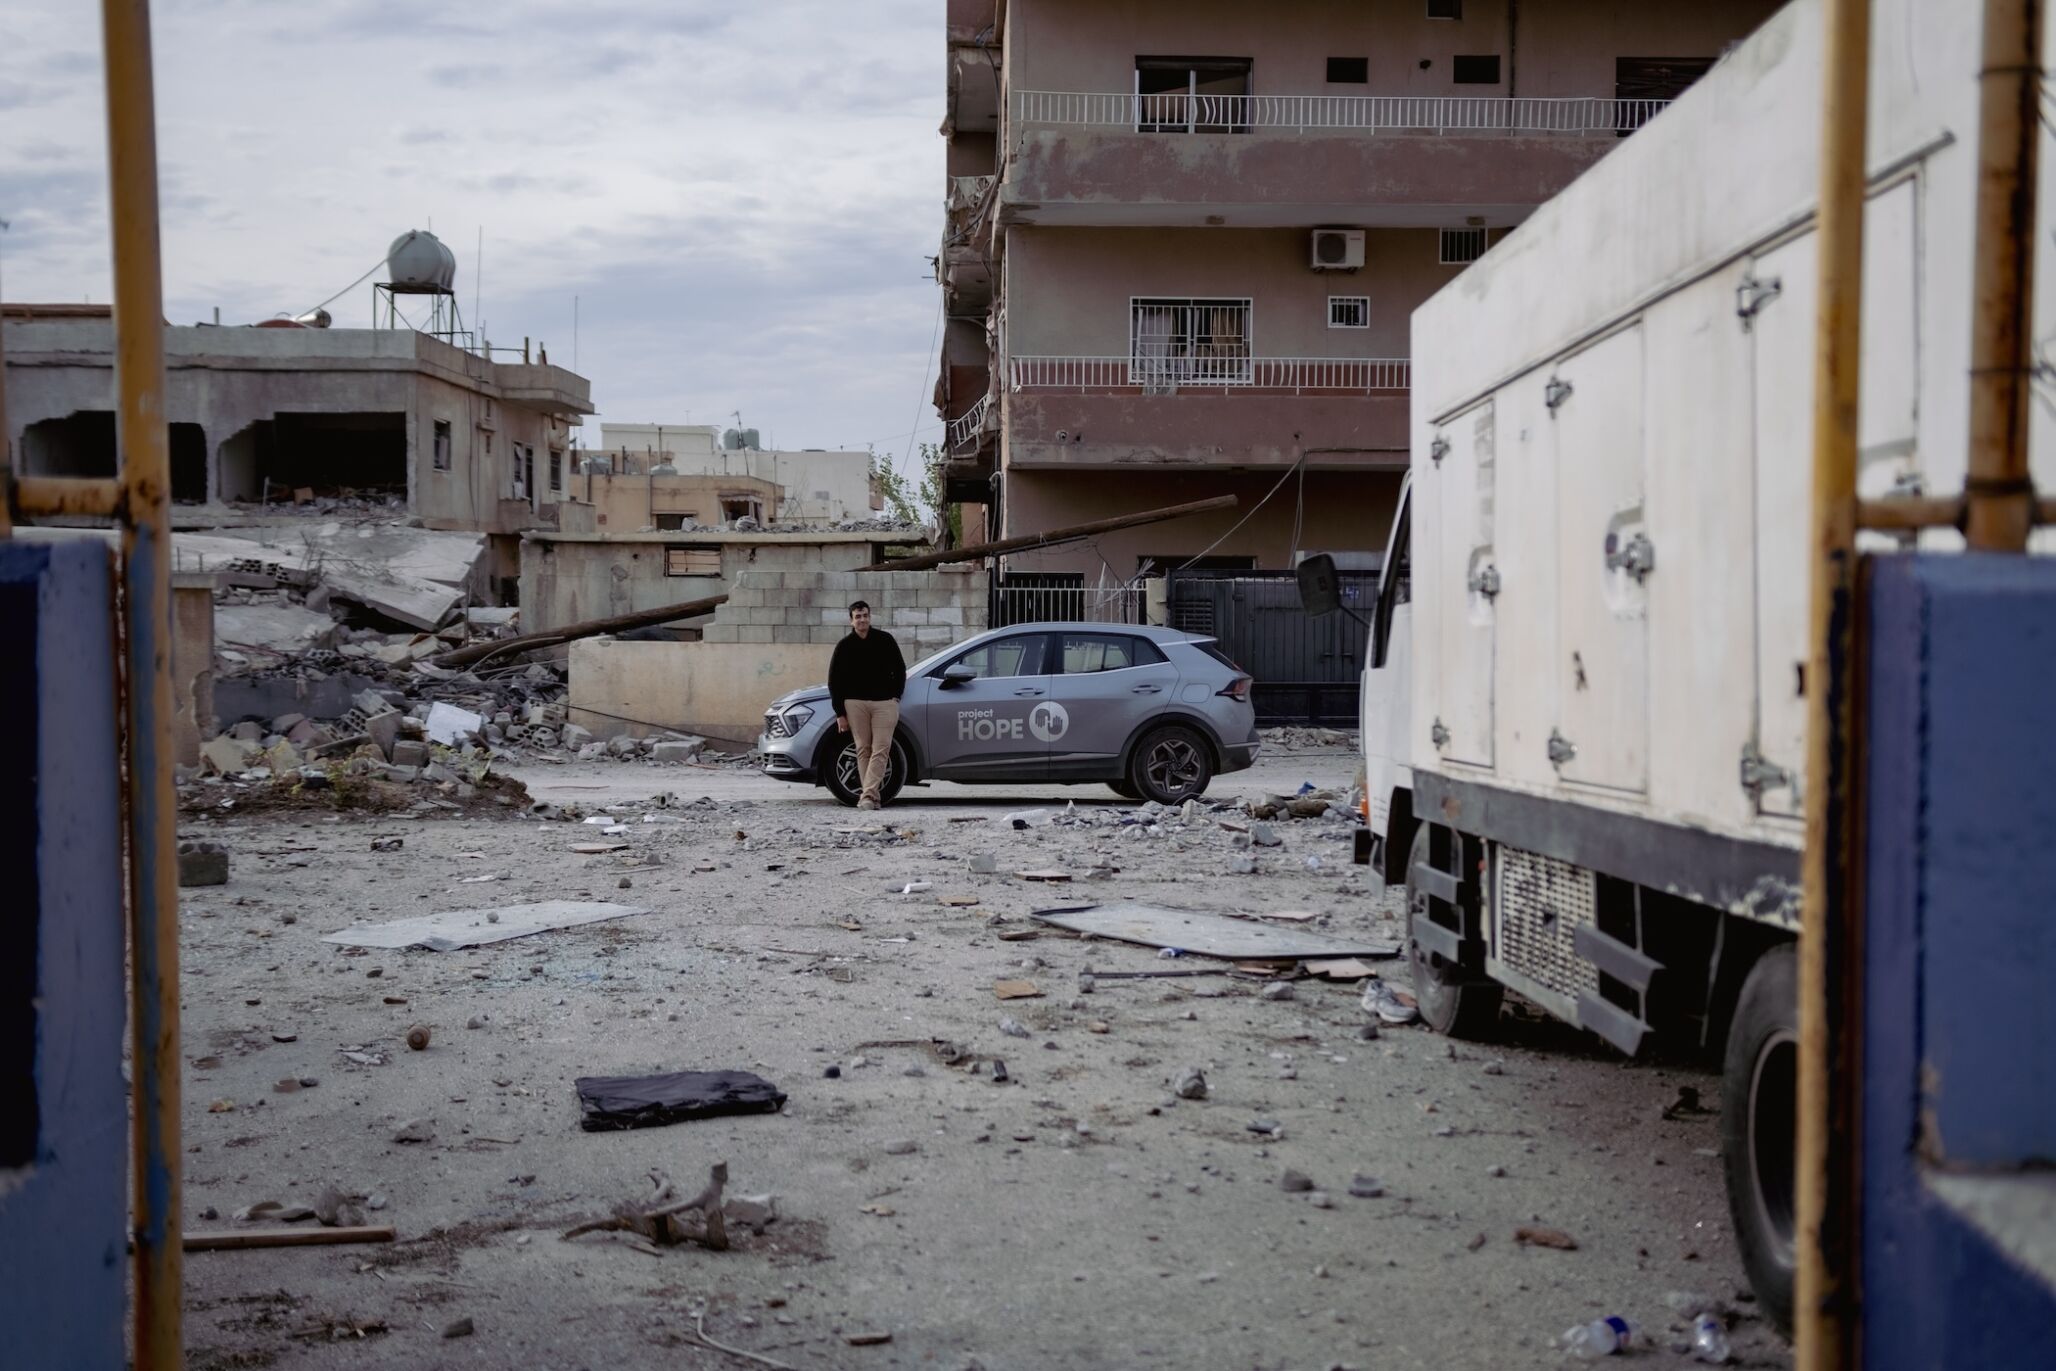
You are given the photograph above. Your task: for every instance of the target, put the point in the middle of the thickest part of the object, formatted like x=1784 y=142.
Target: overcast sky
x=742 y=196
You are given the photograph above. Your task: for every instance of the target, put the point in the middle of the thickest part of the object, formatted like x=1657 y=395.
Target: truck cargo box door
x=1459 y=698
x=1783 y=334
x=1605 y=557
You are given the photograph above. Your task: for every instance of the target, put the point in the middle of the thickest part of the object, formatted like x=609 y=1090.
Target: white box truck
x=1584 y=700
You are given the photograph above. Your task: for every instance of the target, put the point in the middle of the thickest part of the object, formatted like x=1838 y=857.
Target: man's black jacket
x=866 y=668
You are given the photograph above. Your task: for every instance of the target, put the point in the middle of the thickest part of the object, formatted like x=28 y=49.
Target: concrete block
x=839 y=580
x=800 y=580
x=575 y=736
x=384 y=729
x=227 y=755
x=408 y=752
x=746 y=597
x=720 y=633
x=933 y=637
x=932 y=597
x=753 y=633
x=685 y=750
x=837 y=617
x=284 y=724
x=202 y=864
x=792 y=633
x=730 y=614
x=953 y=615
x=899 y=617
x=829 y=634
x=403 y=775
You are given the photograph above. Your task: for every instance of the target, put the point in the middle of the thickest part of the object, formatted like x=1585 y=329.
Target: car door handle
x=1148 y=690
x=1028 y=690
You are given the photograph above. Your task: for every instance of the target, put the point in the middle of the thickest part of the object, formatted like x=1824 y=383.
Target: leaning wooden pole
x=151 y=803
x=974 y=551
x=590 y=628
x=1999 y=497
x=1830 y=937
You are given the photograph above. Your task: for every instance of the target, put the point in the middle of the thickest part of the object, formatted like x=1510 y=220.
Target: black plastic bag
x=611 y=1102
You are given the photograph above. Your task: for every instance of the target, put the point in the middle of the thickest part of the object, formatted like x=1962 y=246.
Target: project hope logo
x=1047 y=722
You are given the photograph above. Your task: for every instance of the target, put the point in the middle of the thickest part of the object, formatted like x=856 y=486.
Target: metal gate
x=1308 y=671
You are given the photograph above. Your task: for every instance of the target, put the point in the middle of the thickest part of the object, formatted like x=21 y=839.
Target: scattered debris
x=1365 y=1187
x=1192 y=1084
x=1014 y=1028
x=1208 y=935
x=1529 y=1235
x=1015 y=990
x=201 y=863
x=668 y=1225
x=415 y=1131
x=447 y=932
x=458 y=1328
x=612 y=1102
x=417 y=1037
x=1295 y=1182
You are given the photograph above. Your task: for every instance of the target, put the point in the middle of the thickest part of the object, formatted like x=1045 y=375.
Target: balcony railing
x=1180 y=112
x=1350 y=375
x=962 y=431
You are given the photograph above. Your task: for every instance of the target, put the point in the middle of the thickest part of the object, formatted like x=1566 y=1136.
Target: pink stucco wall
x=1069 y=288
x=1559 y=47
x=1340 y=512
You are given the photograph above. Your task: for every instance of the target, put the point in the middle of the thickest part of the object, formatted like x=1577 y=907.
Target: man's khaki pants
x=871 y=724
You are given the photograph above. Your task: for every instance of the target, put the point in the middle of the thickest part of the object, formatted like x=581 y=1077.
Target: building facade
x=257 y=414
x=1183 y=242
x=810 y=486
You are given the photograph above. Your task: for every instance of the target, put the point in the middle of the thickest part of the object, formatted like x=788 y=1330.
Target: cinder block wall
x=924 y=610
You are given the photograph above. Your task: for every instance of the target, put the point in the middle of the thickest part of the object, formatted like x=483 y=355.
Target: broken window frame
x=699 y=559
x=439 y=445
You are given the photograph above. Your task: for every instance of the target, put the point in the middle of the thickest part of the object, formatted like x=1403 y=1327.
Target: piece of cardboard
x=1015 y=990
x=456 y=928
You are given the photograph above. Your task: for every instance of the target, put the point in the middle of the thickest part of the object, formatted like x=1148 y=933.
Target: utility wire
x=347 y=289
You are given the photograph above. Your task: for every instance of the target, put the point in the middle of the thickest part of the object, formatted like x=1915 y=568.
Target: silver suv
x=1152 y=712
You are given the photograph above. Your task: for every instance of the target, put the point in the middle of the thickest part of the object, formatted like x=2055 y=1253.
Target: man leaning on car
x=866 y=677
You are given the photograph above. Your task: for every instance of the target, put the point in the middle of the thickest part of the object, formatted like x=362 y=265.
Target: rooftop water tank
x=419 y=264
x=738 y=439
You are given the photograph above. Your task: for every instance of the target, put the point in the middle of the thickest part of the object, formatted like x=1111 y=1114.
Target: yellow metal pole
x=1824 y=1310
x=1996 y=483
x=146 y=580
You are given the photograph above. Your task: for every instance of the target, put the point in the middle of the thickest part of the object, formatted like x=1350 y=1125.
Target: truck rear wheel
x=1759 y=1122
x=1451 y=1000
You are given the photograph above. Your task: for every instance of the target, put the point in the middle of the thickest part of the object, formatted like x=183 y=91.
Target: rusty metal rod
x=973 y=551
x=1997 y=484
x=144 y=445
x=1830 y=943
x=1909 y=513
x=41 y=495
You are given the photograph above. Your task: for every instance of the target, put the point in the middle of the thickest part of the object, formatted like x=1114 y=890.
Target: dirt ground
x=1078 y=1216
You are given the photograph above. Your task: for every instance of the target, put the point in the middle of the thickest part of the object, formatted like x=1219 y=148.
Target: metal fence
x=1308 y=671
x=1357 y=375
x=962 y=431
x=1059 y=597
x=1180 y=111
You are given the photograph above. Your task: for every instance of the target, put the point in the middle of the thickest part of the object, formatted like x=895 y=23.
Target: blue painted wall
x=1960 y=1012
x=63 y=1213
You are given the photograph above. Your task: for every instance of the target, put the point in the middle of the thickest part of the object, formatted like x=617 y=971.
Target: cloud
x=738 y=197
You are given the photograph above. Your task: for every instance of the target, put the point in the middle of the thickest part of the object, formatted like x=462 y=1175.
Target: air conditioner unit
x=1338 y=249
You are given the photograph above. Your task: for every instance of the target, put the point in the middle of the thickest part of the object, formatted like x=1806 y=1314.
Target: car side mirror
x=952 y=677
x=1320 y=593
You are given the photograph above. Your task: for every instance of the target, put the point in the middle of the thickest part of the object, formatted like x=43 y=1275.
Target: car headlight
x=788 y=722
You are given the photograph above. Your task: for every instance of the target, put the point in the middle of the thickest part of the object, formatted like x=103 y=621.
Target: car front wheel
x=1170 y=765
x=840 y=772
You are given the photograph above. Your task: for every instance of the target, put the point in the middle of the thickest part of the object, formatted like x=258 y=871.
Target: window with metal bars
x=1202 y=342
x=1349 y=311
x=1445 y=9
x=1462 y=245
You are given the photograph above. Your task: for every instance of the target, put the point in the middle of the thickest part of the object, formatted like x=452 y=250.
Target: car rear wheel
x=840 y=772
x=1170 y=765
x=1758 y=1116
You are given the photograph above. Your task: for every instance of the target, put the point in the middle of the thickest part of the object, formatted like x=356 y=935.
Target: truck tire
x=1758 y=1124
x=1451 y=1000
x=839 y=771
x=1170 y=765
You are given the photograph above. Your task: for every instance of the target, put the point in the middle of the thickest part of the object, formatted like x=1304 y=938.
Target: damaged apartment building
x=1183 y=242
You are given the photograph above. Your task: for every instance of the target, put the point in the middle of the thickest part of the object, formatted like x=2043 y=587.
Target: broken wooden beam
x=973 y=551
x=235 y=1239
x=590 y=628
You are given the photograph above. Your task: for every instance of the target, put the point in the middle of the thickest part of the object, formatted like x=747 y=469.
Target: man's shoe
x=867 y=804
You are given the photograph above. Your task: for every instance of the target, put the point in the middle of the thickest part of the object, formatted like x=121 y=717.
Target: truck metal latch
x=1561 y=749
x=1556 y=392
x=1485 y=581
x=1759 y=773
x=1438 y=734
x=1439 y=448
x=1751 y=295
x=1637 y=556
